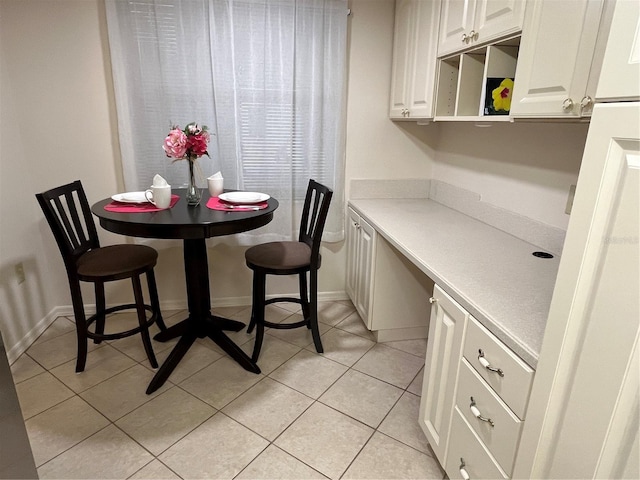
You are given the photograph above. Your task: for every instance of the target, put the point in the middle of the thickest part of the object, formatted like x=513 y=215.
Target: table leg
x=201 y=323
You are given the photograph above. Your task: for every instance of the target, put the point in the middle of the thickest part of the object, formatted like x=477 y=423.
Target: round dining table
x=193 y=225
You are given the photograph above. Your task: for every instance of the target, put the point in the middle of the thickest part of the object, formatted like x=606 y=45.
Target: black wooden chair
x=69 y=216
x=291 y=258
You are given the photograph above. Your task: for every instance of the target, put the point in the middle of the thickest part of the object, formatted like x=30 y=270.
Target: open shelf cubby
x=465 y=80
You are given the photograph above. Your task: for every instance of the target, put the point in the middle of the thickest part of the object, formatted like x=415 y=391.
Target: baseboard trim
x=67 y=310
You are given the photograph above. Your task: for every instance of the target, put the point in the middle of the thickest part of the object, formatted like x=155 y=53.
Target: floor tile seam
x=337 y=361
x=178 y=440
x=149 y=463
x=76 y=444
x=95 y=385
x=368 y=336
x=386 y=344
x=51 y=367
x=287 y=453
x=35 y=375
x=404 y=389
x=398 y=439
x=357 y=454
x=51 y=406
x=83 y=439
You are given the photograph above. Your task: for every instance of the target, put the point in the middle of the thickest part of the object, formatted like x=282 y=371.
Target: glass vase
x=193 y=192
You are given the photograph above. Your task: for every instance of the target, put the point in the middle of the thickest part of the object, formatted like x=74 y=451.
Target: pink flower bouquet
x=188 y=144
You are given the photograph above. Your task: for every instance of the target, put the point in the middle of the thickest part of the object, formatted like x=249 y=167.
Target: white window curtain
x=266 y=76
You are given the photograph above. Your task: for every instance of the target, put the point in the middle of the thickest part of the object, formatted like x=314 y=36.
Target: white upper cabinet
x=414 y=59
x=554 y=73
x=620 y=77
x=467 y=23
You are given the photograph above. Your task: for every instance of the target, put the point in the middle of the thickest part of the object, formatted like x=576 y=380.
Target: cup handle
x=146 y=195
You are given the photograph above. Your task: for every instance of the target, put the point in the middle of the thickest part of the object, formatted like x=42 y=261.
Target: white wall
x=523 y=167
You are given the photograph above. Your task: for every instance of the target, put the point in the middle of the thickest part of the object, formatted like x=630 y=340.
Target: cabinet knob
x=476 y=413
x=465 y=38
x=585 y=103
x=463 y=472
x=473 y=35
x=485 y=363
x=433 y=300
x=567 y=105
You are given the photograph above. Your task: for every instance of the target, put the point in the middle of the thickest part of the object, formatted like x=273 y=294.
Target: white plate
x=243 y=197
x=130 y=197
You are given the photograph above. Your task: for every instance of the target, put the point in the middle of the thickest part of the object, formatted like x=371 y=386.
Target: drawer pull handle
x=463 y=472
x=485 y=363
x=478 y=415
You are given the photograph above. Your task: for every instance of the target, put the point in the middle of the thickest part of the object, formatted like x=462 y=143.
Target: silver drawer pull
x=463 y=472
x=485 y=363
x=478 y=415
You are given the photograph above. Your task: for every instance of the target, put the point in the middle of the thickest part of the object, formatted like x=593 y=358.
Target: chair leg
x=81 y=324
x=142 y=320
x=313 y=319
x=155 y=303
x=254 y=302
x=304 y=298
x=100 y=308
x=257 y=311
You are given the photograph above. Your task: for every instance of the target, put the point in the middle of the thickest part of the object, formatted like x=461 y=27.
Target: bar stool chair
x=69 y=216
x=291 y=258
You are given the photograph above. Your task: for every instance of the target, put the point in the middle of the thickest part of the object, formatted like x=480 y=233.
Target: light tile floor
x=349 y=413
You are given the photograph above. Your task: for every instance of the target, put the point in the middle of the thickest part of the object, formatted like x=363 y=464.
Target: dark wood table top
x=183 y=221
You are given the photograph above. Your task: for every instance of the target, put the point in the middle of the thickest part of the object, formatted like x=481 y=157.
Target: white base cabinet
x=389 y=292
x=361 y=241
x=474 y=395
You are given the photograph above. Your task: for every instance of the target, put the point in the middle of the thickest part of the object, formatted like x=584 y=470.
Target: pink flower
x=175 y=145
x=197 y=144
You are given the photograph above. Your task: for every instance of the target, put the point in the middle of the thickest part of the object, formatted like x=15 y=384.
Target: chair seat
x=276 y=256
x=115 y=262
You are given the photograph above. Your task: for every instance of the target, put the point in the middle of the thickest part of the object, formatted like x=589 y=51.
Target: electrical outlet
x=20 y=273
x=572 y=193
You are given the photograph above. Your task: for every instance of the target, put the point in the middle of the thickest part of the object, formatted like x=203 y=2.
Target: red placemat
x=214 y=203
x=122 y=207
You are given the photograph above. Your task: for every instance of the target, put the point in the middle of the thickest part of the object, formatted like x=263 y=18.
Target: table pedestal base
x=189 y=331
x=201 y=323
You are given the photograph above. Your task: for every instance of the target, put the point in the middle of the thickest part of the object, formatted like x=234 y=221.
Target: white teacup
x=159 y=196
x=215 y=186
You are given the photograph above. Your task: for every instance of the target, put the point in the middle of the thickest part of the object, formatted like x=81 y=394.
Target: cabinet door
x=620 y=74
x=456 y=22
x=497 y=18
x=423 y=78
x=585 y=395
x=366 y=245
x=403 y=43
x=444 y=351
x=352 y=254
x=554 y=61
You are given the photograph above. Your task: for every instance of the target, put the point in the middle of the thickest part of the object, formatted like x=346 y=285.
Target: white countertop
x=492 y=274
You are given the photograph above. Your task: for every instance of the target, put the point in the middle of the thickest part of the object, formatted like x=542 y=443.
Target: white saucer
x=243 y=197
x=130 y=197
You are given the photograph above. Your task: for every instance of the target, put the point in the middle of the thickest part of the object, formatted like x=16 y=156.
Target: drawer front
x=513 y=381
x=465 y=446
x=501 y=438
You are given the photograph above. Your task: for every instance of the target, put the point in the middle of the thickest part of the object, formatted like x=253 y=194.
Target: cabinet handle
x=433 y=300
x=473 y=35
x=463 y=472
x=465 y=38
x=478 y=415
x=485 y=363
x=586 y=102
x=567 y=105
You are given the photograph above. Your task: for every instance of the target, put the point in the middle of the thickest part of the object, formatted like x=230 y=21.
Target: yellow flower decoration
x=502 y=95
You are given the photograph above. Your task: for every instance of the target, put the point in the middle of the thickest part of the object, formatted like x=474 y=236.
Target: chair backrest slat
x=314 y=216
x=68 y=213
